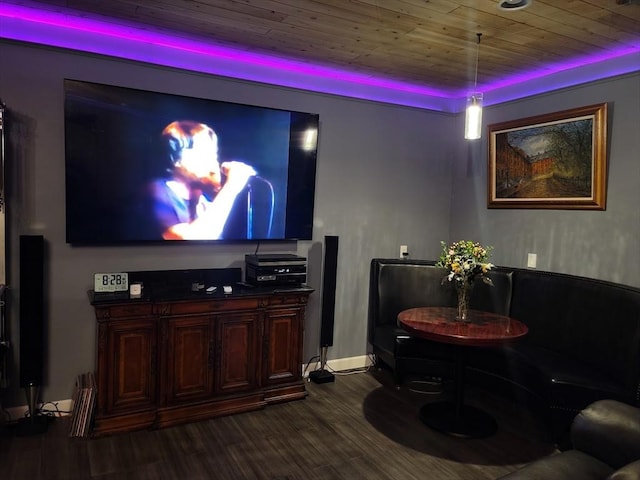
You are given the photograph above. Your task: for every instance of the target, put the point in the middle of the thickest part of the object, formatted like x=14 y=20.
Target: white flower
x=465 y=260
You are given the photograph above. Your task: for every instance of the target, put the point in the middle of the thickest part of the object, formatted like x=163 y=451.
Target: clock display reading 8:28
x=110 y=282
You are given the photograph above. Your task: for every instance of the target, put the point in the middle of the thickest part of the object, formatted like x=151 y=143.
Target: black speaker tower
x=327 y=315
x=32 y=328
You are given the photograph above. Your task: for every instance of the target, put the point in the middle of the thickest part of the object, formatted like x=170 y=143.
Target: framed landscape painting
x=557 y=160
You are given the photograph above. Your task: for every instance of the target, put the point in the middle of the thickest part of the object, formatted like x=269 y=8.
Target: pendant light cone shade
x=473 y=119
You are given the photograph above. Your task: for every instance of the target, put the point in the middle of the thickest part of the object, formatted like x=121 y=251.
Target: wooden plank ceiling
x=427 y=42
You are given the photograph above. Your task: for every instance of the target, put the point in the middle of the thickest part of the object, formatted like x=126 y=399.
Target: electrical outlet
x=404 y=251
x=531 y=260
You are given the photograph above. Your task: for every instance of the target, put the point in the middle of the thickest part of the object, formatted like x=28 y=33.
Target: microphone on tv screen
x=260 y=192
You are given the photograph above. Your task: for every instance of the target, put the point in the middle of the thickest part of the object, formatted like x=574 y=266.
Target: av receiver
x=275 y=269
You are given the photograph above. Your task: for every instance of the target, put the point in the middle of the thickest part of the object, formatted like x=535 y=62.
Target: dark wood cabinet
x=282 y=348
x=188 y=367
x=127 y=367
x=162 y=363
x=237 y=351
x=281 y=343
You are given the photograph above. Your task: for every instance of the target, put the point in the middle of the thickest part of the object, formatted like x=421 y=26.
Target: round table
x=484 y=329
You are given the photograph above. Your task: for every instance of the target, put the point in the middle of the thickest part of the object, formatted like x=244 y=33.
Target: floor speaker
x=32 y=327
x=31 y=309
x=328 y=307
x=329 y=290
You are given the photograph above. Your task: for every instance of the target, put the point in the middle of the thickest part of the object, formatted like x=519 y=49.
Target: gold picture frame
x=555 y=161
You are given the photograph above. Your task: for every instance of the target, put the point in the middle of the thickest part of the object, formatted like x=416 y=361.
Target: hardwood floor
x=359 y=427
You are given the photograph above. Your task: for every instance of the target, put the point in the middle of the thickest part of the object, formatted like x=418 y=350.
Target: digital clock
x=110 y=282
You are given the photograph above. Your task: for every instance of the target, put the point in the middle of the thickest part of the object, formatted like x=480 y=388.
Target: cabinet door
x=238 y=365
x=130 y=363
x=283 y=348
x=190 y=357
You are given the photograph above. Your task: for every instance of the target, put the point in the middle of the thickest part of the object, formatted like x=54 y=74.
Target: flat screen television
x=134 y=171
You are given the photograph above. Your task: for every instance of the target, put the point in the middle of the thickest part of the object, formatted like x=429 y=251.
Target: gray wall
x=599 y=244
x=383 y=179
x=386 y=176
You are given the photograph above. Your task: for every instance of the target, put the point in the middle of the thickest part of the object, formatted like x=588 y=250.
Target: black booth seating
x=583 y=343
x=396 y=285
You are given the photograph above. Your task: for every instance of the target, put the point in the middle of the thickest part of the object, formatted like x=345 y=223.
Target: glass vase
x=464 y=290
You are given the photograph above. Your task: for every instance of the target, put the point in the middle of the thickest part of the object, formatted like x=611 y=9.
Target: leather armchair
x=605 y=439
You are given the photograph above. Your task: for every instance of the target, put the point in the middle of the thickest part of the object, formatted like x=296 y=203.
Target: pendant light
x=473 y=118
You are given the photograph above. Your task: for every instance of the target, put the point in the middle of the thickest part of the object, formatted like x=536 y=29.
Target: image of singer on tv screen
x=143 y=166
x=203 y=197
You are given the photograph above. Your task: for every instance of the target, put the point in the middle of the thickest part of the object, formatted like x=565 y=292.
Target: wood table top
x=439 y=324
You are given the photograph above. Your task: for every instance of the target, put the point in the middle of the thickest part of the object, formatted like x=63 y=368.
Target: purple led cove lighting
x=130 y=42
x=136 y=35
x=69 y=31
x=552 y=69
x=621 y=65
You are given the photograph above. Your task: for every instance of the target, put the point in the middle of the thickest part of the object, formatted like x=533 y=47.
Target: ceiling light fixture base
x=511 y=5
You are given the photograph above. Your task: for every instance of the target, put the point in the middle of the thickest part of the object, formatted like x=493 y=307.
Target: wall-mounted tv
x=144 y=166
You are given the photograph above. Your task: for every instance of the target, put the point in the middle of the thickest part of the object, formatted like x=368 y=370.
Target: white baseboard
x=341 y=364
x=62 y=408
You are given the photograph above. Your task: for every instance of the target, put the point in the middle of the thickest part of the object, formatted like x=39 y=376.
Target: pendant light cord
x=475 y=82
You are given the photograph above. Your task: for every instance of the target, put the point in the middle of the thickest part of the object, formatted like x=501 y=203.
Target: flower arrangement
x=465 y=260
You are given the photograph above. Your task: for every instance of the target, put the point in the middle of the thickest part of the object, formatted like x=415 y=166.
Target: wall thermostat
x=110 y=282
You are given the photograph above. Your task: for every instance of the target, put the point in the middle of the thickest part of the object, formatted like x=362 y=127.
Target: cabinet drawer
x=276 y=300
x=124 y=311
x=211 y=306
